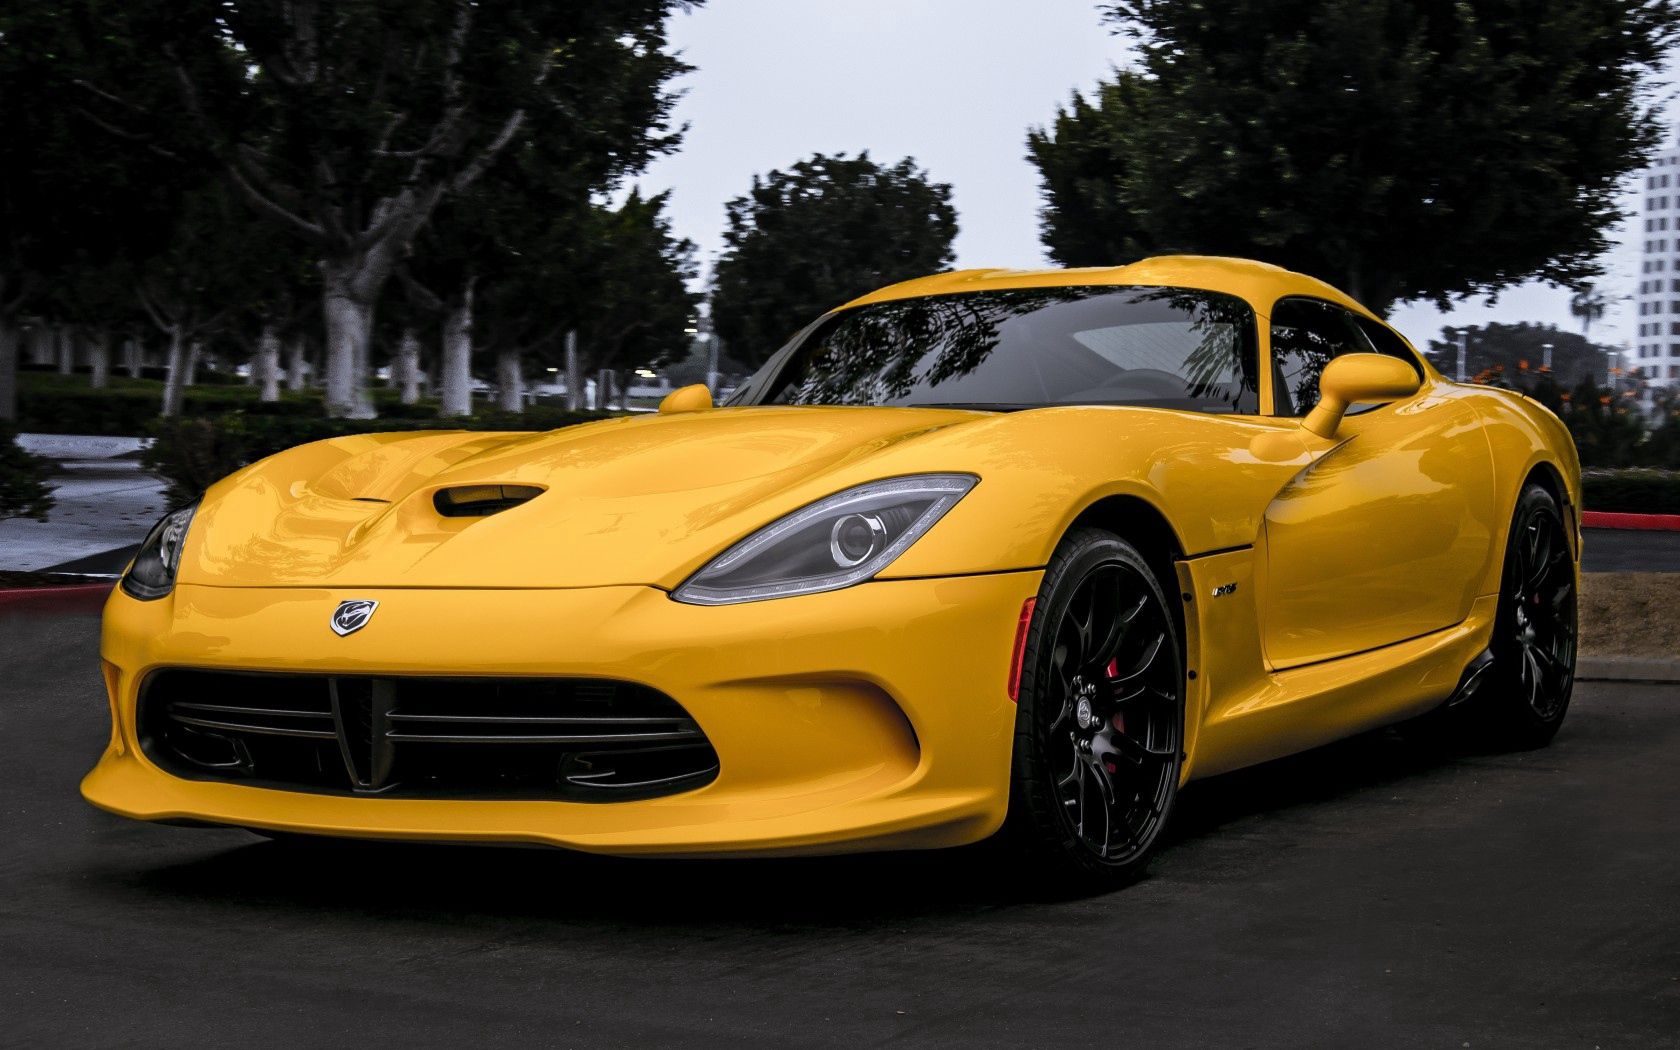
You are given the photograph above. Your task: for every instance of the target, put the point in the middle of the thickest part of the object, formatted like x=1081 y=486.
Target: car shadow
x=467 y=883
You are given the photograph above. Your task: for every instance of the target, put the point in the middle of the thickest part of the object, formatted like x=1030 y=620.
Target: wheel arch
x=1143 y=525
x=1549 y=476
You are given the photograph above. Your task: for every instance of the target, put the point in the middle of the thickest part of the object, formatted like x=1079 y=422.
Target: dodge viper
x=990 y=553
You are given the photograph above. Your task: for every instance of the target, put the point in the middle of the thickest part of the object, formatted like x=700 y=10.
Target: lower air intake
x=576 y=739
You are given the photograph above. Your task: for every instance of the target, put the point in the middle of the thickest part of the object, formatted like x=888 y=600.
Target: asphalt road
x=1363 y=895
x=1626 y=550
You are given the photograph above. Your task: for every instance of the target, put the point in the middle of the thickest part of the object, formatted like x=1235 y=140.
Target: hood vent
x=477 y=501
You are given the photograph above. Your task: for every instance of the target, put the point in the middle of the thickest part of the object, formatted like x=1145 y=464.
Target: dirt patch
x=1630 y=614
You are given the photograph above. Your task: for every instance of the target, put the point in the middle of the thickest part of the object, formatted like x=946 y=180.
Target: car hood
x=642 y=500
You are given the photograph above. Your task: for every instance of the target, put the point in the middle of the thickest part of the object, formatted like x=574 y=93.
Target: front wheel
x=1100 y=728
x=1534 y=630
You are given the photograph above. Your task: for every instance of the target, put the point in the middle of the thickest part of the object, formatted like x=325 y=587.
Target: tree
x=637 y=302
x=348 y=122
x=1587 y=303
x=826 y=230
x=78 y=199
x=1518 y=351
x=1403 y=149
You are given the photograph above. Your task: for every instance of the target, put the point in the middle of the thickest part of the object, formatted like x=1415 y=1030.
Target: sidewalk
x=105 y=504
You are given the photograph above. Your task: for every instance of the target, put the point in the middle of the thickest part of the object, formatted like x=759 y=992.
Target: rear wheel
x=1099 y=730
x=1534 y=630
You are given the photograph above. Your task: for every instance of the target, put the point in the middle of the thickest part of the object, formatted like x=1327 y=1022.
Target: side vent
x=477 y=501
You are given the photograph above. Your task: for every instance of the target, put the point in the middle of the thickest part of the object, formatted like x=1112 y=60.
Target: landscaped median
x=1632 y=498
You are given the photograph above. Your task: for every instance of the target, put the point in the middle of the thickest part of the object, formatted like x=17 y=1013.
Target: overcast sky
x=953 y=83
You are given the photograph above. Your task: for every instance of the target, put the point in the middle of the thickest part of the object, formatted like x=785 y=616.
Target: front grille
x=578 y=739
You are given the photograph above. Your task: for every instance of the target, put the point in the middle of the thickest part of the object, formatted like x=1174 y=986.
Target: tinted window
x=1306 y=334
x=1383 y=340
x=1164 y=347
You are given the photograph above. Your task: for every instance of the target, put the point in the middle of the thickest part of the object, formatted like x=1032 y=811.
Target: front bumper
x=875 y=717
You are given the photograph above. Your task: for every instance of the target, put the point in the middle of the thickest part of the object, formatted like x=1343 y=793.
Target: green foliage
x=1401 y=149
x=54 y=404
x=825 y=231
x=1631 y=491
x=635 y=274
x=1518 y=350
x=192 y=454
x=24 y=492
x=146 y=138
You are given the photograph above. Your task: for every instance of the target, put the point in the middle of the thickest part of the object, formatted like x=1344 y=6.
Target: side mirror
x=1354 y=379
x=696 y=398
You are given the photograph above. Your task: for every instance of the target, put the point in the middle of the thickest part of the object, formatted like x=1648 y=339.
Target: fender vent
x=477 y=501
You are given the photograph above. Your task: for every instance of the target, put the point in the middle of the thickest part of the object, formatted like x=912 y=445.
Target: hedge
x=49 y=403
x=1635 y=491
x=191 y=454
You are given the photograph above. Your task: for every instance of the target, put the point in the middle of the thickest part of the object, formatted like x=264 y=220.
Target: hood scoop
x=479 y=501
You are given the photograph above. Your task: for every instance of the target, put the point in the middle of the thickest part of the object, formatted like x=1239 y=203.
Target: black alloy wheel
x=1099 y=733
x=1534 y=633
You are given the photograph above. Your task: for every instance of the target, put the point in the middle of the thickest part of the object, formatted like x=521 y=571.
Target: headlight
x=833 y=543
x=153 y=573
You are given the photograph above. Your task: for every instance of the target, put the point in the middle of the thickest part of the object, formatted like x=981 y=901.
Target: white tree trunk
x=349 y=321
x=406 y=368
x=10 y=339
x=99 y=358
x=195 y=352
x=510 y=381
x=133 y=356
x=574 y=373
x=266 y=368
x=603 y=390
x=179 y=366
x=295 y=379
x=43 y=344
x=455 y=368
x=66 y=349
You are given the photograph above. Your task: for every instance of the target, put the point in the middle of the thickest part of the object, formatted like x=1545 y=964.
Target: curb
x=1609 y=519
x=1627 y=669
x=80 y=597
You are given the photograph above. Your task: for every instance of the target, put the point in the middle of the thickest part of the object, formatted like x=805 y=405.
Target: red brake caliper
x=1118 y=720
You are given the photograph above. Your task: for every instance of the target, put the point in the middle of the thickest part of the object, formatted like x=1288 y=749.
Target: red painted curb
x=80 y=596
x=1609 y=519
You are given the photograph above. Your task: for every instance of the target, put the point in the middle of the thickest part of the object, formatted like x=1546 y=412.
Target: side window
x=1306 y=334
x=1384 y=341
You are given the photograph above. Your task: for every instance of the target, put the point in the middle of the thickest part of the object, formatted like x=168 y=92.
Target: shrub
x=191 y=454
x=24 y=492
x=1631 y=491
x=55 y=404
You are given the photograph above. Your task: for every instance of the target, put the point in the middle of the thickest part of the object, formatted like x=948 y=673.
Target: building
x=1656 y=348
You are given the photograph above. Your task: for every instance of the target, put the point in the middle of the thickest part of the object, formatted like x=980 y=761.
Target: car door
x=1384 y=537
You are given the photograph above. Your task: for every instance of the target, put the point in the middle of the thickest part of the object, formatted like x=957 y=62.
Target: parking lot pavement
x=1630 y=550
x=1361 y=895
x=104 y=502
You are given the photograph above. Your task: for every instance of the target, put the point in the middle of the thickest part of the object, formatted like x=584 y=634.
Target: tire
x=1100 y=726
x=1534 y=630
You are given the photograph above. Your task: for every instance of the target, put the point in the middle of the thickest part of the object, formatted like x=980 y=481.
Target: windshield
x=1162 y=347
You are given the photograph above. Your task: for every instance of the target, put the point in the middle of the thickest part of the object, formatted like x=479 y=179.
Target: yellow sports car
x=989 y=551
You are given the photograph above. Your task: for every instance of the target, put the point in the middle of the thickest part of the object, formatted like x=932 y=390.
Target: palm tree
x=1587 y=304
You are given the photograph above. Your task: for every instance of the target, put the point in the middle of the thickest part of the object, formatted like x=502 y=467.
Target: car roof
x=1260 y=283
